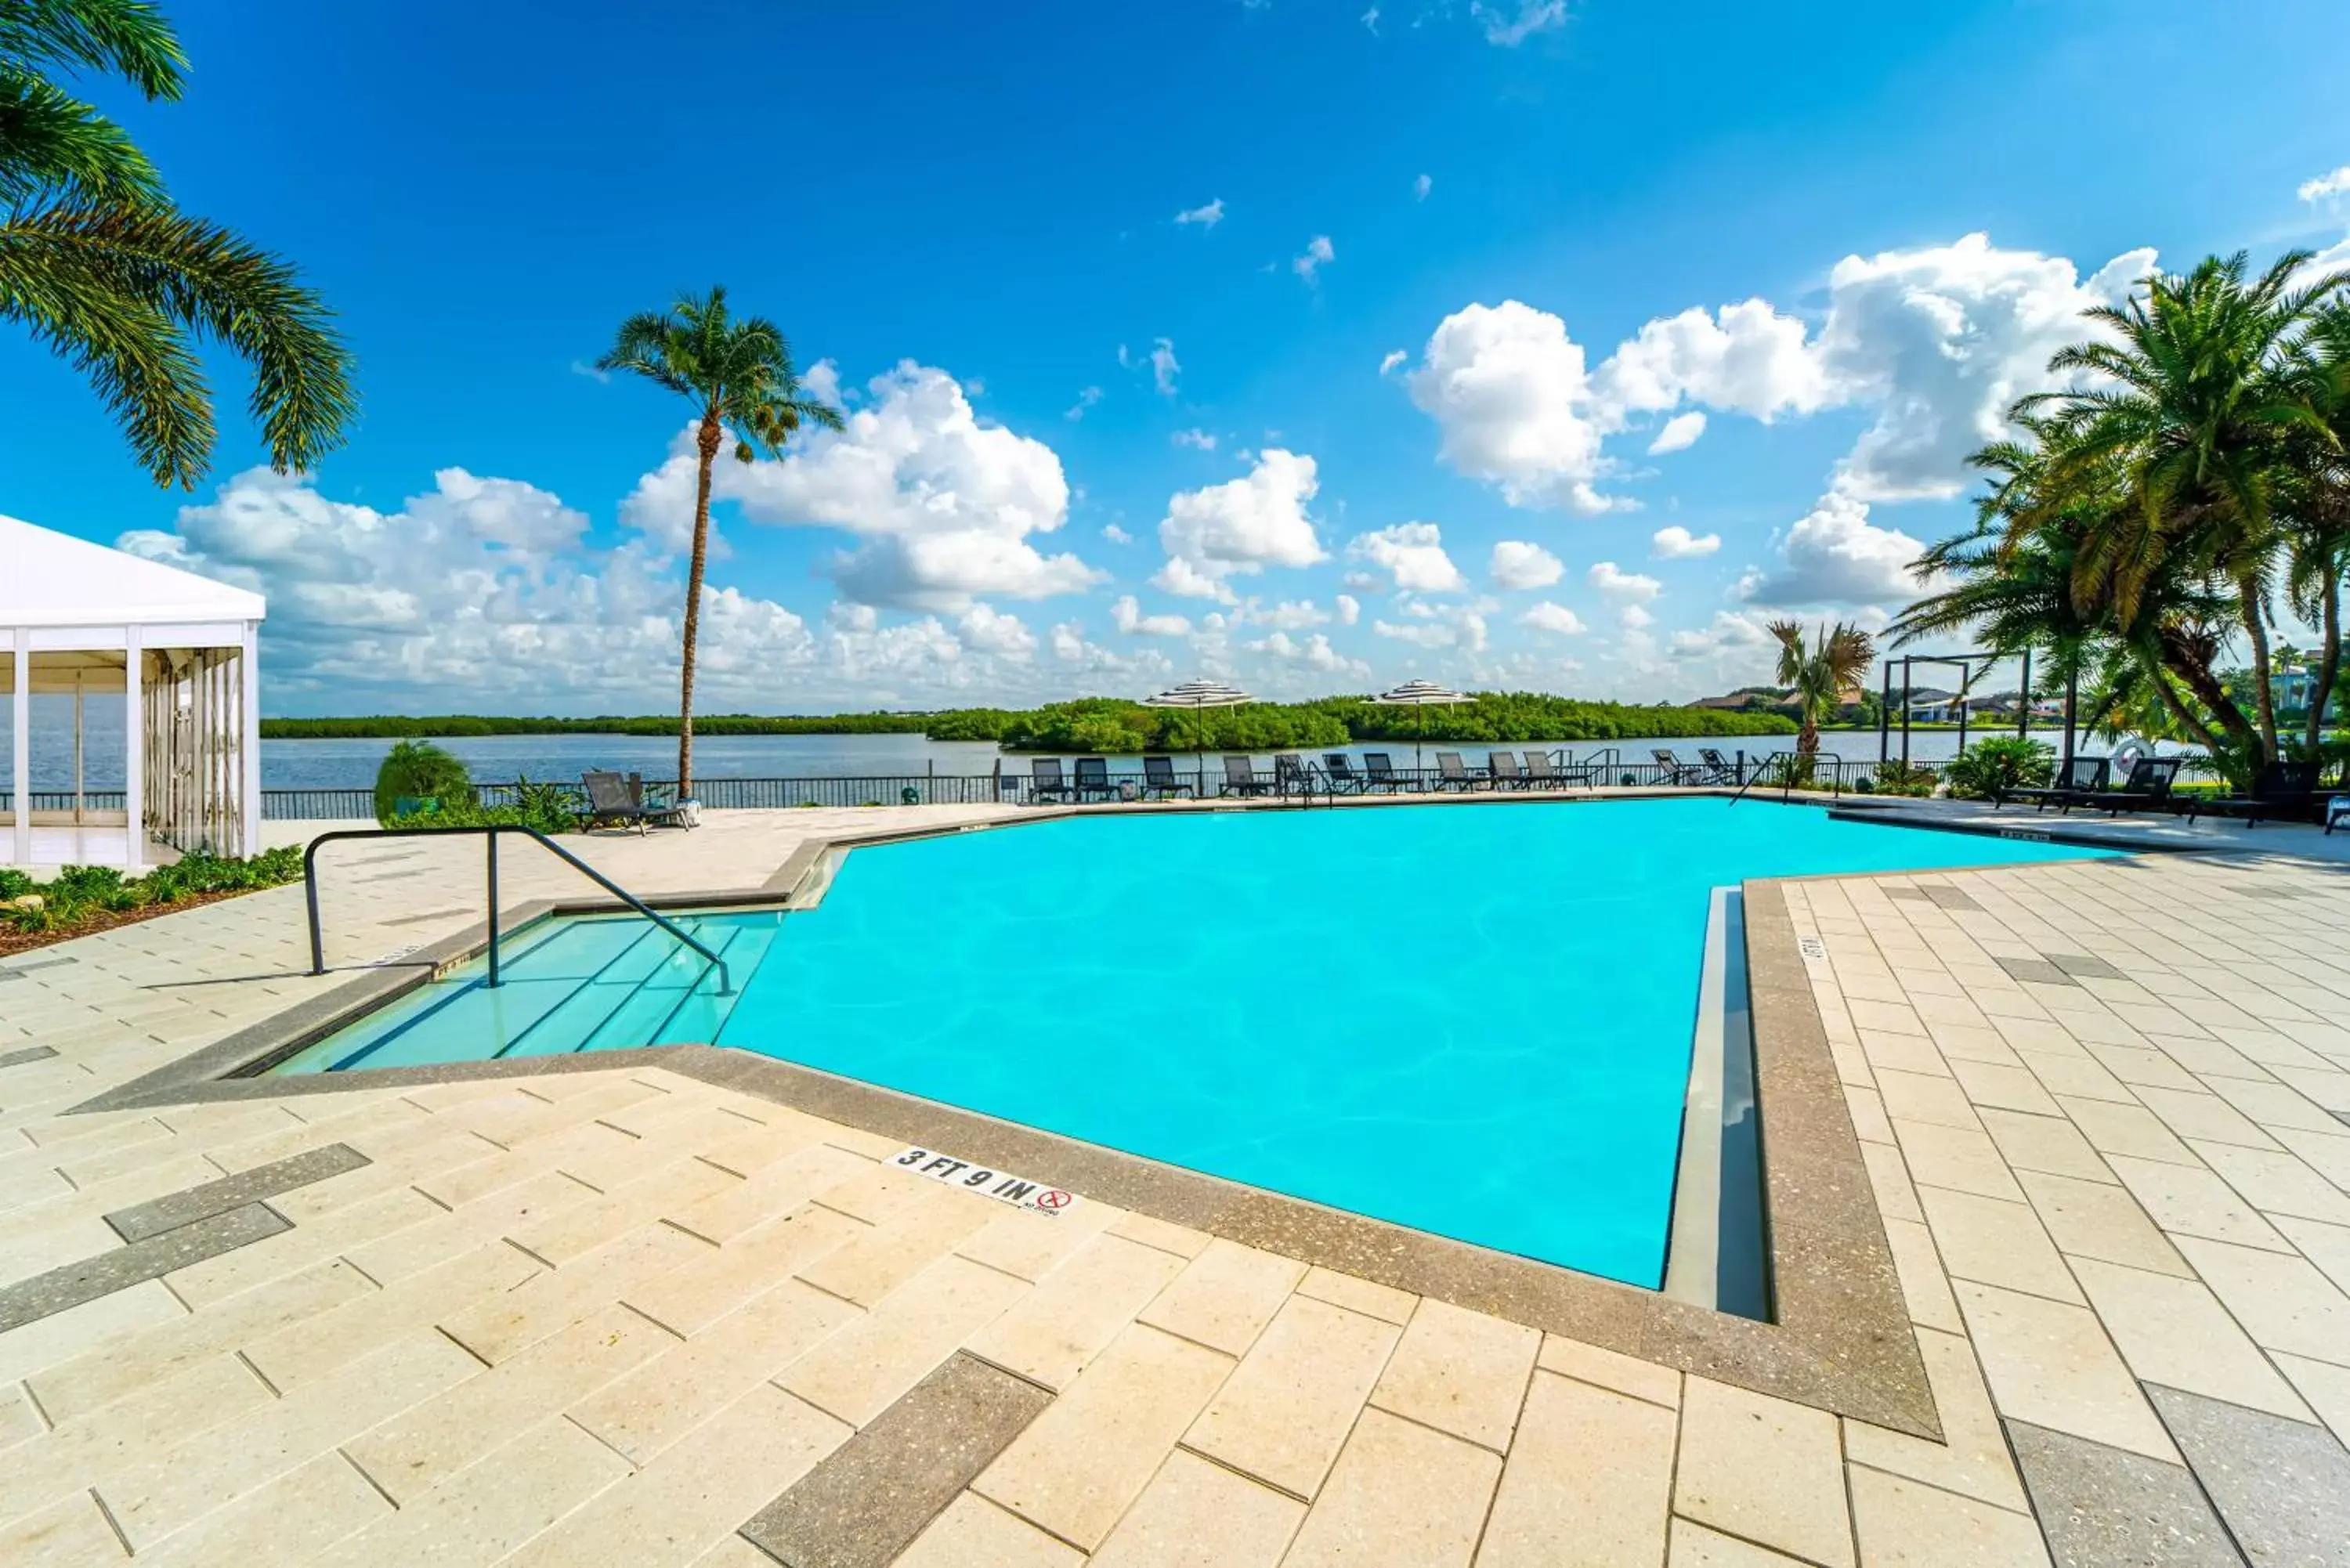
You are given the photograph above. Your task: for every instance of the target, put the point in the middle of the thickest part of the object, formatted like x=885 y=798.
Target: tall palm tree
x=97 y=264
x=738 y=374
x=1820 y=670
x=2206 y=384
x=2317 y=508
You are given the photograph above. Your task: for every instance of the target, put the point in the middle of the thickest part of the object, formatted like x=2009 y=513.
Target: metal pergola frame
x=1973 y=666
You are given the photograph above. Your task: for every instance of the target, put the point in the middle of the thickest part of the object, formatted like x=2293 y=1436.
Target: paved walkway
x=615 y=1316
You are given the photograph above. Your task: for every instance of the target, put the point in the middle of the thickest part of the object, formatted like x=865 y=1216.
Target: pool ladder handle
x=490 y=835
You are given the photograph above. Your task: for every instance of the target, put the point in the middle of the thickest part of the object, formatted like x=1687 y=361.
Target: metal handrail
x=1762 y=768
x=490 y=834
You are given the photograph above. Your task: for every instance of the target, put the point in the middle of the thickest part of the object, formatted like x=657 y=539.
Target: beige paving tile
x=1963 y=1159
x=1096 y=1447
x=974 y=1533
x=2326 y=1155
x=289 y=1251
x=2052 y=1364
x=1889 y=1178
x=2005 y=1088
x=1286 y=1409
x=2324 y=1385
x=688 y=1298
x=1076 y=1311
x=2210 y=1057
x=2076 y=1077
x=1226 y=1297
x=296 y=1348
x=2327 y=1246
x=697 y=1492
x=416 y=1248
x=20 y=1419
x=2206 y=1117
x=860 y=1371
x=868 y=1267
x=2050 y=1144
x=550 y=1303
x=1902 y=1054
x=1588 y=1483
x=1030 y=1246
x=1868 y=1120
x=645 y=1410
x=2272 y=1105
x=93 y=1446
x=1694 y=1546
x=2143 y=1065
x=1764 y=1468
x=1995 y=1243
x=1383 y=1302
x=1611 y=1369
x=1972 y=1042
x=2132 y=1130
x=209 y=1469
x=1972 y=1458
x=585 y=1227
x=2194 y=1202
x=1401 y=1495
x=1915 y=1098
x=2174 y=1332
x=1924 y=1289
x=2283 y=1302
x=489 y=1508
x=1902 y=1524
x=1194 y=1514
x=769 y=1191
x=66 y=1336
x=414 y=1452
x=285 y=1522
x=68 y=1533
x=2277 y=1183
x=2099 y=1220
x=1460 y=1372
x=1180 y=1239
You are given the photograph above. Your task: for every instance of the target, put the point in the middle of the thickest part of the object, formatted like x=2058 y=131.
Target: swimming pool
x=1473 y=1021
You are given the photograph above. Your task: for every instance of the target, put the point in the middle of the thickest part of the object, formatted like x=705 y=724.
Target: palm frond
x=54 y=147
x=129 y=38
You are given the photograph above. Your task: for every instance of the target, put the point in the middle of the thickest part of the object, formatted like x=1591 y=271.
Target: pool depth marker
x=1002 y=1186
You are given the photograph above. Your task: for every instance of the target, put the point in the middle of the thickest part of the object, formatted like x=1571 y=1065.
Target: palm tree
x=2208 y=385
x=97 y=264
x=2317 y=508
x=1821 y=671
x=740 y=376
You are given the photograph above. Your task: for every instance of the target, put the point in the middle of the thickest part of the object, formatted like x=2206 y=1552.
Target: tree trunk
x=1807 y=738
x=2197 y=678
x=2330 y=652
x=707 y=444
x=2247 y=593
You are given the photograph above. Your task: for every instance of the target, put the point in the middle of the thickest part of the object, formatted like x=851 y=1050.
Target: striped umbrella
x=1199 y=695
x=1421 y=694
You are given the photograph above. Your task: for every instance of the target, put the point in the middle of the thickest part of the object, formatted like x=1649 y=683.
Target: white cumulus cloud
x=1678 y=434
x=1677 y=544
x=1318 y=253
x=1509 y=391
x=1240 y=527
x=1198 y=440
x=1206 y=217
x=1624 y=587
x=1556 y=619
x=1519 y=565
x=1835 y=555
x=1127 y=617
x=1412 y=555
x=2325 y=185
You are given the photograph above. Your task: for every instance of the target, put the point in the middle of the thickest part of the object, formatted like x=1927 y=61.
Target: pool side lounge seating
x=1093 y=780
x=2282 y=790
x=1379 y=773
x=2337 y=812
x=1502 y=768
x=1718 y=769
x=1241 y=777
x=1339 y=769
x=1046 y=782
x=1675 y=769
x=1291 y=772
x=2147 y=788
x=1452 y=773
x=2082 y=776
x=1158 y=779
x=610 y=805
x=668 y=813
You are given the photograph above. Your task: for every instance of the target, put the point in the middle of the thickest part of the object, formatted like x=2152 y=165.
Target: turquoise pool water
x=1475 y=1020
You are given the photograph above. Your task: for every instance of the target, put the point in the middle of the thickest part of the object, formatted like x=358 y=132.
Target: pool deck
x=629 y=1314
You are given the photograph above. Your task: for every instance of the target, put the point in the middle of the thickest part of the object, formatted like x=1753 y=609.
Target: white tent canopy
x=81 y=618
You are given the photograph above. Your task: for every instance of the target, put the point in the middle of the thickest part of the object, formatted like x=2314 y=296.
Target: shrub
x=1988 y=770
x=1897 y=777
x=418 y=770
x=542 y=807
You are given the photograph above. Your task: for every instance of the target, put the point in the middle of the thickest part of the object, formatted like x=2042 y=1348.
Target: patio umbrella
x=1421 y=694
x=1198 y=695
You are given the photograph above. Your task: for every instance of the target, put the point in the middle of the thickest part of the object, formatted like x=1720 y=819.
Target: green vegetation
x=1990 y=769
x=85 y=899
x=740 y=376
x=1109 y=724
x=2140 y=531
x=544 y=808
x=99 y=267
x=420 y=771
x=1821 y=671
x=1897 y=777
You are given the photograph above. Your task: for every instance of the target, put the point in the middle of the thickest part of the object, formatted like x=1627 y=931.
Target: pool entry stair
x=569 y=985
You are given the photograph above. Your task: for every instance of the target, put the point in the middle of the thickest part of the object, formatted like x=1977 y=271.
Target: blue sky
x=969 y=219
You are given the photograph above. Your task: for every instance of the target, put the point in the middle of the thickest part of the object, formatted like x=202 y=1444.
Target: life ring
x=2128 y=755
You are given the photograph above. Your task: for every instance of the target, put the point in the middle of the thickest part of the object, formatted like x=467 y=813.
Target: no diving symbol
x=1054 y=1199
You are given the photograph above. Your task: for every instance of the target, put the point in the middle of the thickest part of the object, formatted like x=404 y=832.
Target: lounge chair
x=1339 y=769
x=2283 y=789
x=2147 y=788
x=1158 y=779
x=659 y=812
x=2337 y=812
x=1502 y=768
x=1045 y=780
x=1452 y=773
x=608 y=804
x=1379 y=773
x=1675 y=769
x=1718 y=769
x=1093 y=780
x=1290 y=772
x=2082 y=777
x=1540 y=774
x=1241 y=777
